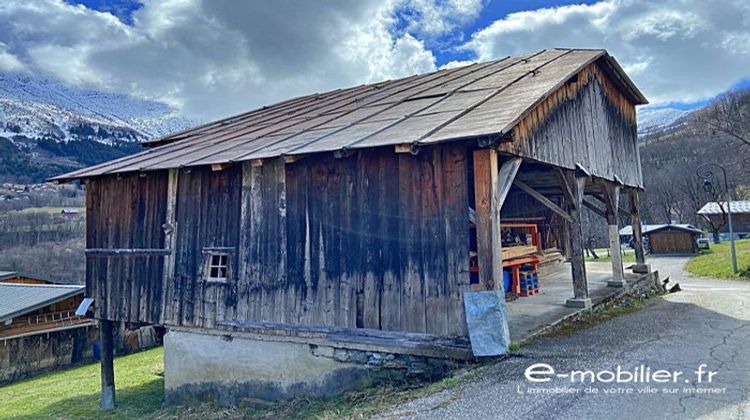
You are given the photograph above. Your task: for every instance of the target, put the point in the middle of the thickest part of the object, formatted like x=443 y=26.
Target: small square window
x=218 y=267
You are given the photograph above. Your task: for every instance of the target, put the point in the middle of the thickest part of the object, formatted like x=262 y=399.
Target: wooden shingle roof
x=479 y=100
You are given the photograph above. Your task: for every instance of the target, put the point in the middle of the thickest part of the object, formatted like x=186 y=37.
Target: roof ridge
x=53 y=286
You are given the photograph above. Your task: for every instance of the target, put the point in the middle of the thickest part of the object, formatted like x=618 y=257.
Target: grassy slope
x=716 y=262
x=74 y=393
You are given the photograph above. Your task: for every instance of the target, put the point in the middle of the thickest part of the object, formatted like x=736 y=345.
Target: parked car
x=703 y=243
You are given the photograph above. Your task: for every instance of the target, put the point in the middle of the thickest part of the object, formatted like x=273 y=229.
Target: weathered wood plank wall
x=207 y=217
x=374 y=240
x=126 y=212
x=590 y=129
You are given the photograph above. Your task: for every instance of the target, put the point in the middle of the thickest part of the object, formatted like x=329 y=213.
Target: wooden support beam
x=593 y=207
x=221 y=166
x=622 y=212
x=412 y=148
x=542 y=199
x=340 y=154
x=170 y=241
x=612 y=200
x=256 y=163
x=106 y=340
x=577 y=262
x=127 y=252
x=293 y=158
x=487 y=206
x=635 y=221
x=567 y=191
x=508 y=171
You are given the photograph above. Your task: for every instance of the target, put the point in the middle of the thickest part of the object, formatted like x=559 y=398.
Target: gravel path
x=707 y=323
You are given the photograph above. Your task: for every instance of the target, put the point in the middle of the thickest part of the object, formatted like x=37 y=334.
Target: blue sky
x=213 y=58
x=123 y=9
x=446 y=48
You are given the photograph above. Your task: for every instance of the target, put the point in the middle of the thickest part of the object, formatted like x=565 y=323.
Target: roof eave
x=625 y=82
x=39 y=305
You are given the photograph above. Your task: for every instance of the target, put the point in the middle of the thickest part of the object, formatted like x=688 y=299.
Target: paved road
x=707 y=323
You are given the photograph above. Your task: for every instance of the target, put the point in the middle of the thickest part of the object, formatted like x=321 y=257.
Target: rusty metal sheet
x=407 y=131
x=338 y=139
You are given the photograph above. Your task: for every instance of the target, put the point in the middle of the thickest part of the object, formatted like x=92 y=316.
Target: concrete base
x=578 y=303
x=235 y=369
x=615 y=283
x=528 y=316
x=642 y=268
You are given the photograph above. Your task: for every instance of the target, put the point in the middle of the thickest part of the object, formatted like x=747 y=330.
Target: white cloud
x=456 y=63
x=438 y=17
x=218 y=57
x=675 y=50
x=8 y=61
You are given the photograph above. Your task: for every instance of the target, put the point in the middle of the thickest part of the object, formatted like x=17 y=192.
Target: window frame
x=208 y=265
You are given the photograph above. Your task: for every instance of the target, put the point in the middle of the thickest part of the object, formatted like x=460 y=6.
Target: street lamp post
x=705 y=171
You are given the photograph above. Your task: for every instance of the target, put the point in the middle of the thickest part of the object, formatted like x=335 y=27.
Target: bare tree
x=728 y=114
x=594 y=232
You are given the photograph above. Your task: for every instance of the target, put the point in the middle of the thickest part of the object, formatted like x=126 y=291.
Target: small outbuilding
x=716 y=215
x=666 y=239
x=39 y=328
x=25 y=278
x=309 y=246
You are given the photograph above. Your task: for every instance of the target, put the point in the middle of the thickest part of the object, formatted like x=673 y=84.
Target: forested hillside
x=719 y=133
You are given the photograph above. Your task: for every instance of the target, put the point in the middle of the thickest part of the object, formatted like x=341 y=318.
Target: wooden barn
x=329 y=229
x=667 y=239
x=716 y=215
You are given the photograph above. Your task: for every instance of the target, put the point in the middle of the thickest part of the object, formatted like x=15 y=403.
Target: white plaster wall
x=200 y=364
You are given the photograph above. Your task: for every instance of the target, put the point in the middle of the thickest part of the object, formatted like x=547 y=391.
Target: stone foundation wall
x=202 y=365
x=645 y=283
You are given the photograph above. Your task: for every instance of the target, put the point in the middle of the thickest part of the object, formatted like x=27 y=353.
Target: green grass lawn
x=139 y=383
x=629 y=256
x=716 y=262
x=74 y=393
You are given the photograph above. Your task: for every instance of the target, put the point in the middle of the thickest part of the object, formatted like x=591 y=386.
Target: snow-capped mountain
x=652 y=119
x=40 y=107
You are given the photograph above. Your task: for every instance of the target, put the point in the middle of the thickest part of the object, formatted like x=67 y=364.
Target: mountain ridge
x=48 y=127
x=42 y=107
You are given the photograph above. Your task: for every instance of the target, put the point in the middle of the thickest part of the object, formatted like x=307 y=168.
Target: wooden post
x=170 y=242
x=612 y=200
x=489 y=246
x=577 y=262
x=106 y=341
x=635 y=216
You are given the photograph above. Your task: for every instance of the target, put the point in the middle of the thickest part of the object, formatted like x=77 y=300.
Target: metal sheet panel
x=477 y=100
